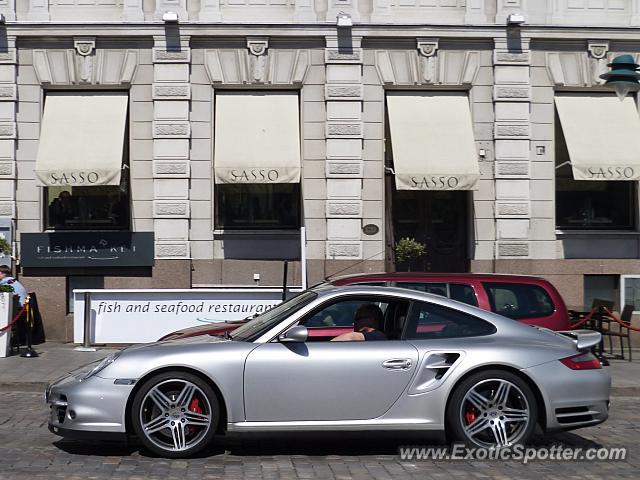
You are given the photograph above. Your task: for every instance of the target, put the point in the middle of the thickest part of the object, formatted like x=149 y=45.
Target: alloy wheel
x=175 y=415
x=495 y=413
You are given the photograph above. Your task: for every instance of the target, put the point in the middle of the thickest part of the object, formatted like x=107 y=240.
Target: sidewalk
x=57 y=359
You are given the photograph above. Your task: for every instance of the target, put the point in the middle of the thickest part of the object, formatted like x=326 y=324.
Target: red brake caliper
x=470 y=415
x=194 y=406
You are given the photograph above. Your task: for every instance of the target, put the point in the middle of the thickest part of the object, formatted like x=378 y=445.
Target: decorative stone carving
x=344 y=130
x=513 y=249
x=177 y=91
x=344 y=209
x=161 y=55
x=171 y=130
x=171 y=209
x=7 y=209
x=164 y=250
x=8 y=130
x=7 y=93
x=510 y=131
x=258 y=57
x=170 y=168
x=344 y=251
x=512 y=209
x=598 y=61
x=333 y=55
x=511 y=93
x=7 y=169
x=343 y=92
x=344 y=169
x=85 y=47
x=428 y=47
x=511 y=58
x=512 y=169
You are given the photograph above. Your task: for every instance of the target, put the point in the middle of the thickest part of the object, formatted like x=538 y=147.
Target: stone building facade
x=520 y=211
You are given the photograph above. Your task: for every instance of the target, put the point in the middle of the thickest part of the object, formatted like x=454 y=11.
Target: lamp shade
x=623 y=76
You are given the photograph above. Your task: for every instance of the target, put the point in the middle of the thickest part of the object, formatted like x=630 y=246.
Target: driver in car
x=368 y=324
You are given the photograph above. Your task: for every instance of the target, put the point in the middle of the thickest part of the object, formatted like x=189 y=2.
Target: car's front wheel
x=492 y=408
x=175 y=414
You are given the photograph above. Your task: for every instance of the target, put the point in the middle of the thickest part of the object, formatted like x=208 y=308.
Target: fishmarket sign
x=87 y=249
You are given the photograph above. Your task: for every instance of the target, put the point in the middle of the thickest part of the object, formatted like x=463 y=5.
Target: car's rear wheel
x=492 y=408
x=175 y=414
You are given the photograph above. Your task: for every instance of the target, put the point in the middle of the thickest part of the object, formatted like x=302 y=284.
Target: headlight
x=90 y=370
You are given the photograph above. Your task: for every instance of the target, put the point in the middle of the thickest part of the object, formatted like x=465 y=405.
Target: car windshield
x=262 y=323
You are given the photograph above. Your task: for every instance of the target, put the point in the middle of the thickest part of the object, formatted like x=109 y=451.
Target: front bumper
x=573 y=398
x=92 y=405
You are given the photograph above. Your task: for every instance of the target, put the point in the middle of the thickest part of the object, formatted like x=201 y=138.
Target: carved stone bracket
x=428 y=47
x=598 y=61
x=258 y=47
x=85 y=47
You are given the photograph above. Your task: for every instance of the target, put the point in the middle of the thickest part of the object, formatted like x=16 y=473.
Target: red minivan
x=530 y=300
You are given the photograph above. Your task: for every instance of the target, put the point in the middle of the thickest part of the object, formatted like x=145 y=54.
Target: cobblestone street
x=28 y=450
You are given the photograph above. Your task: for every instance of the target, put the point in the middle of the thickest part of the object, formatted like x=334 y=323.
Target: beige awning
x=82 y=139
x=257 y=138
x=432 y=141
x=602 y=135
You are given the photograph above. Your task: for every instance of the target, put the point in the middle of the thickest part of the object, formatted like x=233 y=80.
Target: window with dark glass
x=456 y=291
x=590 y=204
x=96 y=207
x=428 y=320
x=258 y=206
x=514 y=300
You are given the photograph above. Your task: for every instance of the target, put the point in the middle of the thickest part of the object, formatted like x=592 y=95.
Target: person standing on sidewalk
x=6 y=278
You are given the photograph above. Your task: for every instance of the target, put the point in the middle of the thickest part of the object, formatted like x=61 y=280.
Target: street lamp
x=623 y=77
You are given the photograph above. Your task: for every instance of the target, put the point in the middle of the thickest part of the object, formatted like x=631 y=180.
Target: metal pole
x=284 y=280
x=86 y=345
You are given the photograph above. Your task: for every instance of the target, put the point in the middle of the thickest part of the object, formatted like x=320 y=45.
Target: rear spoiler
x=584 y=339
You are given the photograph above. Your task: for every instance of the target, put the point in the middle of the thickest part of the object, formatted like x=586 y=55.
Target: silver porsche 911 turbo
x=436 y=365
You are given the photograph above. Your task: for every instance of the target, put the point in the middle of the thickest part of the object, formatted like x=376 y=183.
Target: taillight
x=582 y=361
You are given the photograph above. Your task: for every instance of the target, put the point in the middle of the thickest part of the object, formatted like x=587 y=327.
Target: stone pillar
x=303 y=11
x=132 y=11
x=178 y=6
x=171 y=133
x=635 y=13
x=505 y=7
x=344 y=137
x=8 y=100
x=210 y=11
x=38 y=11
x=512 y=96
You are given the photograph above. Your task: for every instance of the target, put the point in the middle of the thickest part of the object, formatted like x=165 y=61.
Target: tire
x=492 y=408
x=175 y=414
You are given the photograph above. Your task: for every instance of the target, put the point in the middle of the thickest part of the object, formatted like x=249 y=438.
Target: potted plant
x=409 y=249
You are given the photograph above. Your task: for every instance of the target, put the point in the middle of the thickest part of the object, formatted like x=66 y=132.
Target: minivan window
x=456 y=291
x=519 y=300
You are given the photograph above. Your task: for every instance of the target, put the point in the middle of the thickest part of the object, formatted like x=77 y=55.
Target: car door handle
x=397 y=364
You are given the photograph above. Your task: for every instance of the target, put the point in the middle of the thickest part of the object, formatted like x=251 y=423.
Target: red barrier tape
x=610 y=316
x=15 y=319
x=584 y=320
x=617 y=320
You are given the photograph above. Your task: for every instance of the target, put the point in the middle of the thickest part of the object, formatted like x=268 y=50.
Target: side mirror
x=297 y=334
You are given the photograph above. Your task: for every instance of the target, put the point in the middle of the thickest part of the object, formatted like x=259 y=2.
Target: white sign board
x=140 y=316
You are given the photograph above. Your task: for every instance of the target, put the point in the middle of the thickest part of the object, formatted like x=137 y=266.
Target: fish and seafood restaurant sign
x=140 y=316
x=86 y=249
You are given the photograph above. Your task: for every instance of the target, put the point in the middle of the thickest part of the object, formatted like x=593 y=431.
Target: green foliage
x=5 y=247
x=408 y=249
x=5 y=288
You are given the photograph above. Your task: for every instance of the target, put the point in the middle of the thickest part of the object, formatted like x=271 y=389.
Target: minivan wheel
x=175 y=414
x=492 y=409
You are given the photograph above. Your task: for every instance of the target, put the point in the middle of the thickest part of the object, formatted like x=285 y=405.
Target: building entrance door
x=437 y=219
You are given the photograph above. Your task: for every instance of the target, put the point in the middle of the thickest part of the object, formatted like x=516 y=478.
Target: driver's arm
x=349 y=337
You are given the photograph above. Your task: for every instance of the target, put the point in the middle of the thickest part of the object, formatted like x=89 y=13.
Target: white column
x=512 y=146
x=505 y=7
x=635 y=13
x=38 y=11
x=171 y=133
x=8 y=87
x=344 y=150
x=132 y=11
x=210 y=11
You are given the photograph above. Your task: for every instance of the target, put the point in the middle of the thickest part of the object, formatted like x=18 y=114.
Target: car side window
x=519 y=300
x=338 y=314
x=428 y=320
x=463 y=293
